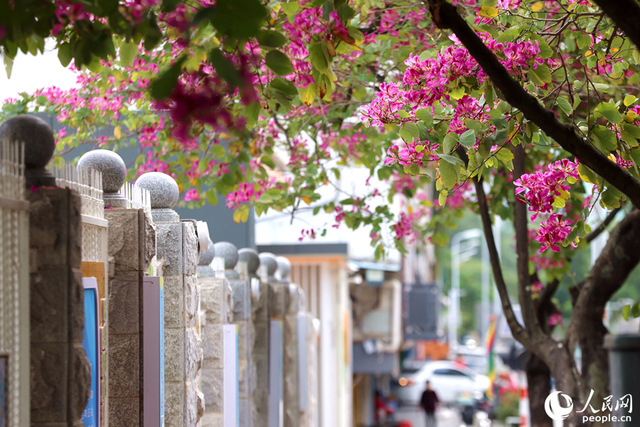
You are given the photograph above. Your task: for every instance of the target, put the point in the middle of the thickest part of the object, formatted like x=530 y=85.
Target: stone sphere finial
x=39 y=144
x=206 y=257
x=110 y=164
x=163 y=189
x=251 y=257
x=285 y=268
x=229 y=252
x=114 y=173
x=268 y=260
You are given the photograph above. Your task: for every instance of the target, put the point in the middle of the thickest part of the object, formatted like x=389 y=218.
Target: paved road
x=445 y=417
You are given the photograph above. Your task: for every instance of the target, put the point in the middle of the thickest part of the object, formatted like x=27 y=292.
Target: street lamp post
x=454 y=302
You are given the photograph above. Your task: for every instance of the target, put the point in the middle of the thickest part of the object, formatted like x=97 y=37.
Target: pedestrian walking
x=428 y=402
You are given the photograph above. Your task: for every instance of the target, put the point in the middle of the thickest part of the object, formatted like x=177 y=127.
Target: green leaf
x=271 y=38
x=252 y=114
x=413 y=130
x=629 y=139
x=239 y=19
x=442 y=197
x=449 y=143
x=425 y=116
x=212 y=196
x=128 y=52
x=290 y=8
x=468 y=138
x=633 y=130
x=609 y=199
x=284 y=86
x=318 y=58
x=268 y=161
x=448 y=174
x=451 y=159
x=609 y=112
x=545 y=50
x=474 y=124
x=241 y=214
x=629 y=100
x=626 y=312
x=64 y=54
x=635 y=310
x=163 y=86
x=606 y=137
x=541 y=75
x=279 y=63
x=154 y=35
x=565 y=105
x=224 y=67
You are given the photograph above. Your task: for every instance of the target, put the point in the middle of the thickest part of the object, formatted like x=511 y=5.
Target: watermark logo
x=590 y=413
x=554 y=410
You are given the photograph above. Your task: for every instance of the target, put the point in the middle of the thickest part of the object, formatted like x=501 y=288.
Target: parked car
x=448 y=379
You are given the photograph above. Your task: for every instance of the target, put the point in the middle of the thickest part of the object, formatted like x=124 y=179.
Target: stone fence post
x=177 y=247
x=241 y=292
x=290 y=346
x=259 y=324
x=132 y=245
x=276 y=308
x=60 y=372
x=216 y=306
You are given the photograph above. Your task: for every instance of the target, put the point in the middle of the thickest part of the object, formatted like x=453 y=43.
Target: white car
x=448 y=380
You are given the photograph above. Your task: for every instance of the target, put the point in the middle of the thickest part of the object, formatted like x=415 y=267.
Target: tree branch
x=603 y=226
x=522 y=250
x=446 y=16
x=626 y=15
x=517 y=330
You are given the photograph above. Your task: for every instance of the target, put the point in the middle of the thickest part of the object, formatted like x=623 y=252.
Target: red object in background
x=507 y=381
x=405 y=423
x=459 y=361
x=381 y=406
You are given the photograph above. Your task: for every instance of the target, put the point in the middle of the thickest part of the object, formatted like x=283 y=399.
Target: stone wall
x=131 y=247
x=177 y=249
x=60 y=375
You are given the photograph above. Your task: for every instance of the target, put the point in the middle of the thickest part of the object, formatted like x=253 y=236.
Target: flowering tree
x=527 y=111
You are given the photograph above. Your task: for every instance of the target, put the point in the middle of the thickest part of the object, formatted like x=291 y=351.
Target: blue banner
x=90 y=344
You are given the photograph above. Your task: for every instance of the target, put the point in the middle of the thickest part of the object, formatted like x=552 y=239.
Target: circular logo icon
x=554 y=410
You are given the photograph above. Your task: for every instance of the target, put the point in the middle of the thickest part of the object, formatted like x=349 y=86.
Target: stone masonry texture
x=131 y=247
x=60 y=375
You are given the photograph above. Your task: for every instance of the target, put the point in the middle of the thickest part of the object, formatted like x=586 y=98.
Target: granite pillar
x=177 y=248
x=241 y=296
x=290 y=346
x=216 y=306
x=60 y=372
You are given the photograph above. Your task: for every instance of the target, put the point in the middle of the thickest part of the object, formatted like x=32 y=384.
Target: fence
x=14 y=288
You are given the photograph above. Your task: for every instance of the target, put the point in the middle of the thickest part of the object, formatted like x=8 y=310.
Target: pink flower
x=192 y=196
x=555 y=319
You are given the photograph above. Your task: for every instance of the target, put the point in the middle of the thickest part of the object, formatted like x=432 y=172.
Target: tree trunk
x=539 y=383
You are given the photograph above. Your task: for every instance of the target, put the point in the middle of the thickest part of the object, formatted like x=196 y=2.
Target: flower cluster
x=426 y=81
x=555 y=319
x=541 y=188
x=413 y=152
x=553 y=231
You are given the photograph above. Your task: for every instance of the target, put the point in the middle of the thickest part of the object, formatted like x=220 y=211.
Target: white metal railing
x=87 y=182
x=137 y=197
x=95 y=239
x=14 y=284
